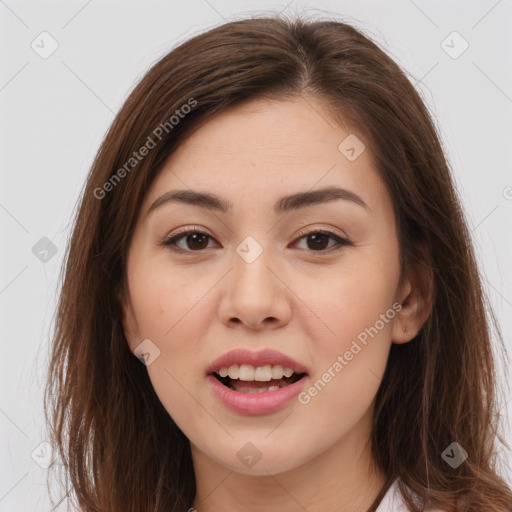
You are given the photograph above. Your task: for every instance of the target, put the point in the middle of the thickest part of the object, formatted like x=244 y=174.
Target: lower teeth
x=254 y=390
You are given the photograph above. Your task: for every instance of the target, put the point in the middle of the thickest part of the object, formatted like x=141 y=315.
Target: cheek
x=351 y=300
x=166 y=300
x=351 y=362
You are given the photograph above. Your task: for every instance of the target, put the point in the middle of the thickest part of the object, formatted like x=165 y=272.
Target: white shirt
x=393 y=501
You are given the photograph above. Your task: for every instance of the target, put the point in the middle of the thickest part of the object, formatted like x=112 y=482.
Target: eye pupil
x=194 y=237
x=316 y=239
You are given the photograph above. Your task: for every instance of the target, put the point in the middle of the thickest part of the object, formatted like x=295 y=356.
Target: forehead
x=264 y=149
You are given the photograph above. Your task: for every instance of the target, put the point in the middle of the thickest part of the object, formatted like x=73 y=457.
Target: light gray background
x=55 y=111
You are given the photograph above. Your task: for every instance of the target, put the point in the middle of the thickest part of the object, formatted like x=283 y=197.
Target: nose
x=255 y=295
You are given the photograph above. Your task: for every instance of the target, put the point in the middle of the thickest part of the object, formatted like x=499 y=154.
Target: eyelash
x=341 y=242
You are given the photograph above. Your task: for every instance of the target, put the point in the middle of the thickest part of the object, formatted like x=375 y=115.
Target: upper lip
x=260 y=358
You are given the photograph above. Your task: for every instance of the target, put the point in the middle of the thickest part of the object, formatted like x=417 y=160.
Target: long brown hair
x=118 y=445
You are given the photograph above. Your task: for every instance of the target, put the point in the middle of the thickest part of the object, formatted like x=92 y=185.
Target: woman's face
x=311 y=276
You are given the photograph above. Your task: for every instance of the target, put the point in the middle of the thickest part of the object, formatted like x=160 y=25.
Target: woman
x=270 y=297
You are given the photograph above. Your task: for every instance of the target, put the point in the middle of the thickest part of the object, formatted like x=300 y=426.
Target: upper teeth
x=248 y=372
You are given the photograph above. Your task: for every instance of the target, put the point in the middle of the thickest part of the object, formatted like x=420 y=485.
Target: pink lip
x=255 y=403
x=261 y=358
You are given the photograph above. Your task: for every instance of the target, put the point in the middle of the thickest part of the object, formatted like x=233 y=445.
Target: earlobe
x=406 y=324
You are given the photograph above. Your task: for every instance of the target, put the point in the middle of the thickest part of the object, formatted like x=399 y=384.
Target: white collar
x=393 y=501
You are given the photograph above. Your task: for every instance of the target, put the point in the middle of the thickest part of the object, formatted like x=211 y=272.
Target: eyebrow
x=283 y=205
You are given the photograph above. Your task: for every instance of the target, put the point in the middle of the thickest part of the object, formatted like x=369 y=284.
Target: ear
x=127 y=317
x=416 y=298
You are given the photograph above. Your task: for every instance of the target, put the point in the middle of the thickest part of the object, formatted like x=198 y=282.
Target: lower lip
x=255 y=403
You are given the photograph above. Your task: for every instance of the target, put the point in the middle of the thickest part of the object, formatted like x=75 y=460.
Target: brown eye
x=197 y=240
x=317 y=241
x=194 y=241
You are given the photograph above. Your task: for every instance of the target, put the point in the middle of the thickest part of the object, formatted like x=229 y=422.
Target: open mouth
x=249 y=379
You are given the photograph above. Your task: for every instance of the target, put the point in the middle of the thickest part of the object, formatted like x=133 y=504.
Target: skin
x=306 y=302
